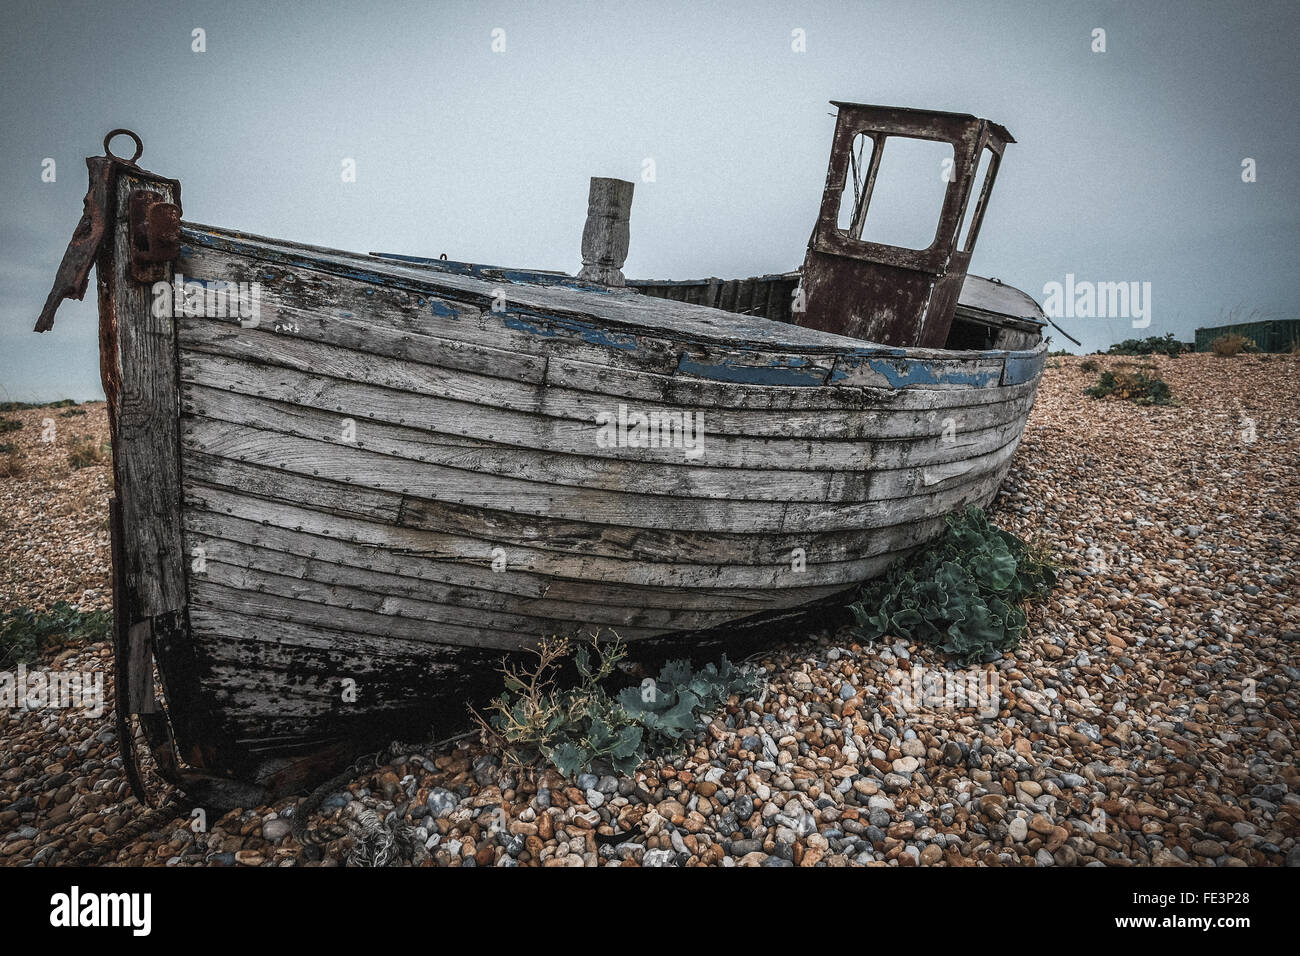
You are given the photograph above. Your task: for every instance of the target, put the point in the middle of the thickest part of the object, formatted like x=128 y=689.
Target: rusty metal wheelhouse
x=886 y=293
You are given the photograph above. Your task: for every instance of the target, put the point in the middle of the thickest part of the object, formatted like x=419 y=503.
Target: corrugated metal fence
x=1277 y=335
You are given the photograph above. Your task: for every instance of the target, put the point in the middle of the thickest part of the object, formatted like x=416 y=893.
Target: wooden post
x=139 y=365
x=606 y=235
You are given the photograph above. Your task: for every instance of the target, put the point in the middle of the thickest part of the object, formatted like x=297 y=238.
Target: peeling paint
x=728 y=370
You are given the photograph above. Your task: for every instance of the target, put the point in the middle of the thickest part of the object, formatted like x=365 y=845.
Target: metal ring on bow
x=139 y=146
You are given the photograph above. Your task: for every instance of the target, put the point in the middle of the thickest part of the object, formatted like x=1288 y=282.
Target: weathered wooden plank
x=1021 y=369
x=606 y=234
x=441 y=630
x=654 y=545
x=322 y=359
x=825 y=566
x=138 y=364
x=372 y=339
x=235 y=564
x=612 y=469
x=908 y=372
x=753 y=367
x=226 y=487
x=315 y=606
x=879 y=423
x=213 y=629
x=773 y=378
x=288 y=295
x=428 y=556
x=467 y=557
x=145 y=459
x=514 y=559
x=504 y=615
x=615 y=311
x=358 y=466
x=450 y=417
x=137 y=682
x=680 y=390
x=268 y=675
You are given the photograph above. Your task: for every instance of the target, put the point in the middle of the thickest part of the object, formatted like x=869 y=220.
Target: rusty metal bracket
x=155 y=235
x=158 y=229
x=74 y=271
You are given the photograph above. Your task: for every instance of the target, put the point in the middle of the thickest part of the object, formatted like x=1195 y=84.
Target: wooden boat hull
x=343 y=498
x=388 y=479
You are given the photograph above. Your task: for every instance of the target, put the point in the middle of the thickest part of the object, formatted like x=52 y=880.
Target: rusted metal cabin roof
x=885 y=111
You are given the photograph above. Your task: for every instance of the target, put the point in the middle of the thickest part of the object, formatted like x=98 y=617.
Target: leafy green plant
x=669 y=707
x=72 y=413
x=9 y=425
x=965 y=593
x=25 y=634
x=1165 y=344
x=1140 y=386
x=536 y=719
x=1089 y=366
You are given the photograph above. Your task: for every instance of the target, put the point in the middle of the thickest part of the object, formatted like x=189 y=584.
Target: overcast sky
x=1127 y=166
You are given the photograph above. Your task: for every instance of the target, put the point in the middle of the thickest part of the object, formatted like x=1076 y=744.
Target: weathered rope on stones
x=363 y=764
x=110 y=848
x=391 y=843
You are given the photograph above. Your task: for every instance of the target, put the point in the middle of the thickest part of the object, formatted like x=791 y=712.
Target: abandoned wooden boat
x=345 y=481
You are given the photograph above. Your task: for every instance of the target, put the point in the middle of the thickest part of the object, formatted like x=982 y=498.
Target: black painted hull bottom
x=270 y=767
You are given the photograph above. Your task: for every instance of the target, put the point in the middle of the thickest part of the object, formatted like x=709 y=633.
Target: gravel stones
x=441 y=802
x=273 y=831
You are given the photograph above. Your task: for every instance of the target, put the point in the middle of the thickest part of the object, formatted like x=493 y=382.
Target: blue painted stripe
x=900 y=372
x=1021 y=369
x=523 y=320
x=729 y=370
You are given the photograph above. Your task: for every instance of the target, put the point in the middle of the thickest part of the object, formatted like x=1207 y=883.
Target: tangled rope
x=389 y=843
x=110 y=848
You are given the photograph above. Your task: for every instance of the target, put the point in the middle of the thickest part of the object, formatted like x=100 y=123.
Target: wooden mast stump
x=606 y=235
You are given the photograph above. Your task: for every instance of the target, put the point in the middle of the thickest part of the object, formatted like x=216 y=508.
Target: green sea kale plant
x=965 y=593
x=1141 y=387
x=669 y=708
x=537 y=719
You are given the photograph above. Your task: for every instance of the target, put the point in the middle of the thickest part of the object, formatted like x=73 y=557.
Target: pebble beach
x=1148 y=718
